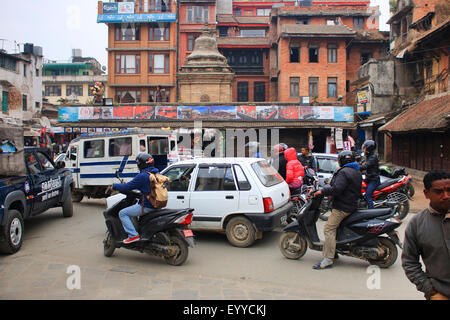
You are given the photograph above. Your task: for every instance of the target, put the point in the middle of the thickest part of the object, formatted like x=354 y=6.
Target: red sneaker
x=131 y=239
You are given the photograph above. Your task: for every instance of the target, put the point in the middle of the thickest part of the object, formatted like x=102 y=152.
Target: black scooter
x=360 y=235
x=163 y=232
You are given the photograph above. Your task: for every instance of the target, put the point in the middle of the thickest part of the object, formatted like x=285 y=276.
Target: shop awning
x=432 y=113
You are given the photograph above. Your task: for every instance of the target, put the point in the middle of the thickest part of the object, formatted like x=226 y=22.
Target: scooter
x=164 y=232
x=361 y=235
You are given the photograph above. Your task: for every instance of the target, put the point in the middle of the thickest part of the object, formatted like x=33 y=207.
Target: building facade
x=71 y=82
x=21 y=83
x=142 y=49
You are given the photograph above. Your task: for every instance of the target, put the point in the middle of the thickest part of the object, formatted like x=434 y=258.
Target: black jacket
x=308 y=161
x=279 y=162
x=345 y=188
x=371 y=167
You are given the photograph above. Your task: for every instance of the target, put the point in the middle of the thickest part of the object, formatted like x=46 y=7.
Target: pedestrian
x=372 y=169
x=307 y=159
x=427 y=237
x=345 y=188
x=278 y=160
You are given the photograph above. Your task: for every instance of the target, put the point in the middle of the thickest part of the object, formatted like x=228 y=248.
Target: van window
x=215 y=179
x=266 y=173
x=120 y=147
x=94 y=149
x=158 y=146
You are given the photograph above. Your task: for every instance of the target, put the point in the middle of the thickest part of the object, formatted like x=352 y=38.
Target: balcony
x=139 y=11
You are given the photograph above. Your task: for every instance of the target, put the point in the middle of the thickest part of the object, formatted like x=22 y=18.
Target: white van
x=95 y=157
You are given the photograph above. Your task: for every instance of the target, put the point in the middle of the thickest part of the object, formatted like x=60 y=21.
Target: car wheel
x=77 y=196
x=68 y=206
x=240 y=232
x=12 y=233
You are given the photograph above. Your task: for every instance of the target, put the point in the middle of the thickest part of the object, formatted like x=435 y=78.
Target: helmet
x=144 y=160
x=345 y=157
x=370 y=146
x=279 y=148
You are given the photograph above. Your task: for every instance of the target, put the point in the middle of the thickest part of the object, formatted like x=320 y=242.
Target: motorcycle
x=164 y=232
x=360 y=235
x=385 y=171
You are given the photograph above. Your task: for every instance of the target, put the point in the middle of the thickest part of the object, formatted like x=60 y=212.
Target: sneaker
x=131 y=239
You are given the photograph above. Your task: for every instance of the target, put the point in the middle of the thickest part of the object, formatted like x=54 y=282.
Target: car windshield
x=327 y=165
x=266 y=173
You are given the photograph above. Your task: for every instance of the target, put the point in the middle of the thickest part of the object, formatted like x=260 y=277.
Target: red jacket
x=294 y=168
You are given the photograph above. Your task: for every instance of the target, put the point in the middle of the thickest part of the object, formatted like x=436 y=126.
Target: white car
x=242 y=197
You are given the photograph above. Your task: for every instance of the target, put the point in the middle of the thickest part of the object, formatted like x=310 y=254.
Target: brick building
x=142 y=49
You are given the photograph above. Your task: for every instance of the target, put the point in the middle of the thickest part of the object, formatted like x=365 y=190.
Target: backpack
x=158 y=195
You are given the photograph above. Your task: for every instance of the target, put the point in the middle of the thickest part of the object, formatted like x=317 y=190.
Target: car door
x=52 y=187
x=214 y=195
x=180 y=179
x=37 y=178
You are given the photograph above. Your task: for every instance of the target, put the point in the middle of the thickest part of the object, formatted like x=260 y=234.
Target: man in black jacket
x=372 y=170
x=345 y=188
x=307 y=159
x=278 y=160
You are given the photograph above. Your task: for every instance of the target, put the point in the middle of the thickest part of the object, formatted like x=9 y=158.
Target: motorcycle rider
x=345 y=188
x=307 y=159
x=372 y=170
x=141 y=182
x=278 y=160
x=294 y=170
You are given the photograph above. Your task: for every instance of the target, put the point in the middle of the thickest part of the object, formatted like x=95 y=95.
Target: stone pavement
x=29 y=277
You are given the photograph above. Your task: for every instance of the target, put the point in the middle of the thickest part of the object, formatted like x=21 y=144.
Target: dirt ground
x=419 y=201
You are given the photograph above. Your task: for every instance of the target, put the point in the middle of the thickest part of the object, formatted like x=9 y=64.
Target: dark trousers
x=371 y=186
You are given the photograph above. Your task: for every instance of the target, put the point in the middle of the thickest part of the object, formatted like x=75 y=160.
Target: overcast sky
x=59 y=26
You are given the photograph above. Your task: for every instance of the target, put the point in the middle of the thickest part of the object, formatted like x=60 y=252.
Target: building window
x=302 y=21
x=37 y=72
x=332 y=87
x=223 y=31
x=76 y=90
x=191 y=41
x=128 y=63
x=263 y=12
x=358 y=23
x=313 y=87
x=128 y=32
x=158 y=95
x=313 y=53
x=24 y=102
x=159 y=32
x=52 y=91
x=7 y=63
x=294 y=85
x=158 y=63
x=128 y=96
x=332 y=53
x=24 y=70
x=332 y=22
x=347 y=85
x=428 y=68
x=259 y=33
x=197 y=14
x=37 y=106
x=242 y=91
x=365 y=57
x=294 y=53
x=159 y=5
x=259 y=91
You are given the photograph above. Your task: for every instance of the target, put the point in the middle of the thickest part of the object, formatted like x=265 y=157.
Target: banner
x=212 y=113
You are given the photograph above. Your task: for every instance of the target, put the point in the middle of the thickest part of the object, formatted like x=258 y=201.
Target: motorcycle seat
x=387 y=183
x=365 y=214
x=155 y=213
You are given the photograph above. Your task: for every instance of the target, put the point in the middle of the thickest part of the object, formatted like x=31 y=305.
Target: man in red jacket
x=294 y=170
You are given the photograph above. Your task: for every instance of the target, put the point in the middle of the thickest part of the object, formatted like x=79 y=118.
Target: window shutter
x=150 y=63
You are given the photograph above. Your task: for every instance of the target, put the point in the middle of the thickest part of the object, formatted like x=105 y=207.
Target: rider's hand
x=317 y=193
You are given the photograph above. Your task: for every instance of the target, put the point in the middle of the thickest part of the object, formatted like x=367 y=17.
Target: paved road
x=214 y=269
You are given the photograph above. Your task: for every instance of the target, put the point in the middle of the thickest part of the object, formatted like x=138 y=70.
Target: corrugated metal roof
x=436 y=109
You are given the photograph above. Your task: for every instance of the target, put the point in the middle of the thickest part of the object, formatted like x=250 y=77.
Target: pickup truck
x=42 y=185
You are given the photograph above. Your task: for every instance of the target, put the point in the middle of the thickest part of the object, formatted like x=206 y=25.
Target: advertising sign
x=85 y=113
x=338 y=139
x=137 y=18
x=126 y=7
x=324 y=113
x=246 y=112
x=343 y=114
x=69 y=114
x=363 y=97
x=110 y=7
x=288 y=112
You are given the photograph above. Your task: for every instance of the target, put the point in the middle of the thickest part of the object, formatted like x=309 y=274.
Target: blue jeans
x=126 y=213
x=371 y=186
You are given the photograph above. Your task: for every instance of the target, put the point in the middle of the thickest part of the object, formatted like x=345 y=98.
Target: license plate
x=283 y=218
x=188 y=233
